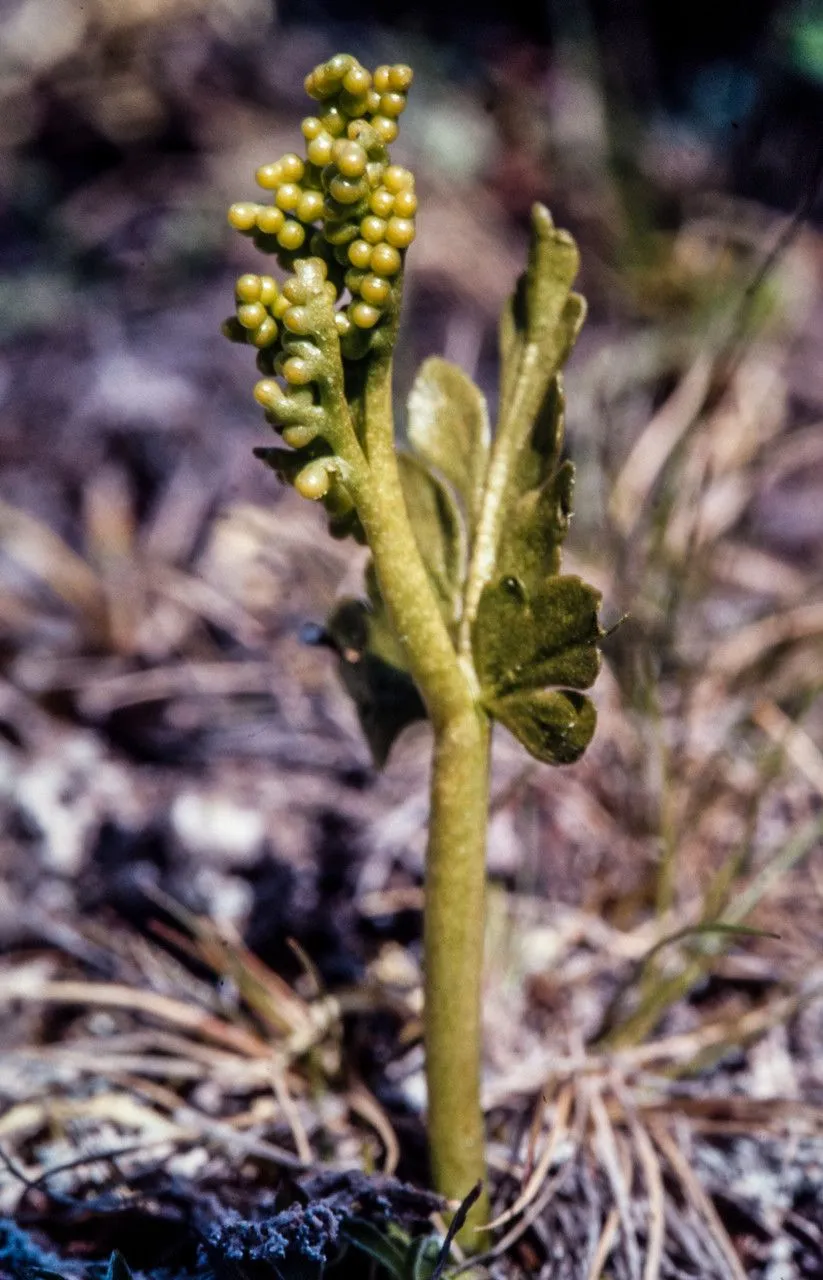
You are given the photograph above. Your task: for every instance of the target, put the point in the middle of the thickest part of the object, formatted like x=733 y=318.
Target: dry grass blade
x=733 y=1114
x=804 y=754
x=100 y=696
x=609 y=1154
x=653 y=1177
x=655 y=445
x=549 y=1190
x=695 y=1193
x=193 y=1124
x=271 y=998
x=97 y=1063
x=539 y=1174
x=120 y=1108
x=164 y=1008
x=758 y=572
x=45 y=555
x=744 y=902
x=750 y=644
x=286 y=1102
x=201 y=598
x=684 y=1050
x=605 y=1245
x=365 y=1105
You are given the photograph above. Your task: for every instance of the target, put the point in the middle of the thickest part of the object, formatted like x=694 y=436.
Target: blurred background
x=169 y=742
x=157 y=702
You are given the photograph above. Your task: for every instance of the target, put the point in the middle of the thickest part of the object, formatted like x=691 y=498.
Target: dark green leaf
x=378 y=1245
x=542 y=311
x=118 y=1269
x=454 y=1227
x=708 y=928
x=448 y=426
x=535 y=530
x=437 y=530
x=539 y=455
x=540 y=635
x=554 y=261
x=423 y=1256
x=553 y=726
x=528 y=641
x=374 y=675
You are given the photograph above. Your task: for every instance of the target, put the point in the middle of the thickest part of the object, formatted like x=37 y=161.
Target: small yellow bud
x=311 y=128
x=385 y=129
x=382 y=79
x=268 y=290
x=400 y=232
x=334 y=121
x=373 y=229
x=353 y=105
x=349 y=157
x=353 y=279
x=385 y=260
x=269 y=176
x=268 y=392
x=248 y=288
x=242 y=216
x=347 y=190
x=265 y=334
x=382 y=202
x=400 y=77
x=357 y=81
x=297 y=320
x=396 y=178
x=392 y=105
x=405 y=203
x=360 y=254
x=251 y=314
x=338 y=65
x=319 y=149
x=291 y=235
x=313 y=481
x=292 y=167
x=363 y=315
x=269 y=219
x=297 y=371
x=288 y=197
x=297 y=437
x=375 y=290
x=341 y=232
x=310 y=206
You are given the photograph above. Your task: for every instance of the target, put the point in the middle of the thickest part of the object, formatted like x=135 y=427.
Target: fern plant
x=466 y=618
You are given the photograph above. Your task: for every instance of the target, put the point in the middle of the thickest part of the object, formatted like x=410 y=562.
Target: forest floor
x=211 y=903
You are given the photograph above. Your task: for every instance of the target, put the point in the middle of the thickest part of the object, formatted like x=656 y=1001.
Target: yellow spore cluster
x=345 y=204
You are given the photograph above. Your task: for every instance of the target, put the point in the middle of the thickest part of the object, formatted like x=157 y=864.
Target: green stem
x=455 y=865
x=404 y=582
x=453 y=948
